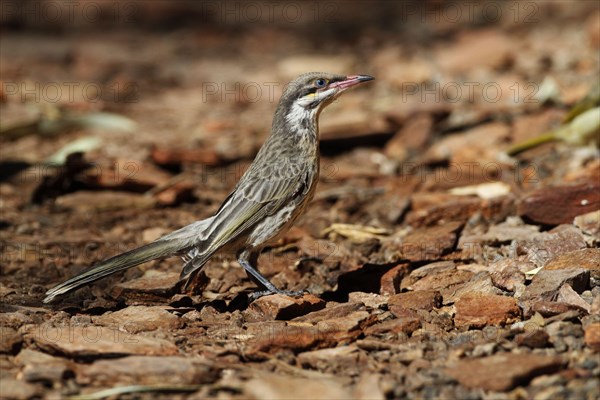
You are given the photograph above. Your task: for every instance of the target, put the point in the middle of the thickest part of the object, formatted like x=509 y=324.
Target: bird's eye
x=321 y=82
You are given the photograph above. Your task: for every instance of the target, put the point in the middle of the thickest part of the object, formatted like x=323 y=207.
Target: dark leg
x=247 y=260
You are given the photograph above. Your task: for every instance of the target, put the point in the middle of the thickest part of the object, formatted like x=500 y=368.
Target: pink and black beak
x=350 y=81
x=337 y=85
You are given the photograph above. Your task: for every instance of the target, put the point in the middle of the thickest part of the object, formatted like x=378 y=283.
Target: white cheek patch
x=318 y=96
x=306 y=100
x=301 y=110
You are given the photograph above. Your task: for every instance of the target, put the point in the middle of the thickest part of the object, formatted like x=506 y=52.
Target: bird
x=269 y=197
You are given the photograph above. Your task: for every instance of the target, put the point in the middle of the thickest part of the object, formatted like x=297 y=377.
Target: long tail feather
x=151 y=251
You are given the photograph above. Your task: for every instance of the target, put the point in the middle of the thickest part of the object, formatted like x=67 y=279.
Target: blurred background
x=204 y=77
x=184 y=70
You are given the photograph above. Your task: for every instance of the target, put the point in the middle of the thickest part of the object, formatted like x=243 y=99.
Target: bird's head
x=307 y=95
x=314 y=90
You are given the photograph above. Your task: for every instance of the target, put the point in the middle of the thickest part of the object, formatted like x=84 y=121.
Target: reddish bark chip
x=560 y=204
x=478 y=310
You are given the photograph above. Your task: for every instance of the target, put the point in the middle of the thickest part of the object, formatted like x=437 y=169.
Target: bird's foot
x=291 y=293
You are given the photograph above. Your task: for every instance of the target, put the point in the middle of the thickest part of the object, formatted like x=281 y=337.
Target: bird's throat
x=302 y=121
